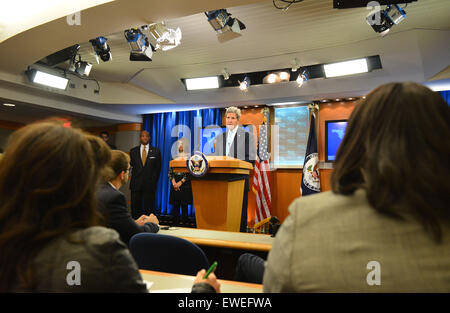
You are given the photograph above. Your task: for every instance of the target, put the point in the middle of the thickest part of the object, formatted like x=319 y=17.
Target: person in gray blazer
x=385 y=226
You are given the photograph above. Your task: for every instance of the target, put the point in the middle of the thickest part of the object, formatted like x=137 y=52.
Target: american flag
x=261 y=185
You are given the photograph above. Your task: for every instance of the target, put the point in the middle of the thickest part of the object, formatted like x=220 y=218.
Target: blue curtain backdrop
x=446 y=95
x=165 y=129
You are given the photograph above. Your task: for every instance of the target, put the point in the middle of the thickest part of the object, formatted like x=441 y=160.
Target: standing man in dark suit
x=113 y=205
x=146 y=167
x=240 y=144
x=105 y=136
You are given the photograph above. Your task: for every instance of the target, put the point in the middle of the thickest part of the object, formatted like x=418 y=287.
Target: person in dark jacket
x=113 y=205
x=105 y=136
x=180 y=188
x=145 y=169
x=240 y=144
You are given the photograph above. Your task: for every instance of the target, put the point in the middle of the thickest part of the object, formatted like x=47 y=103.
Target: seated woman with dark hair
x=50 y=234
x=385 y=226
x=50 y=238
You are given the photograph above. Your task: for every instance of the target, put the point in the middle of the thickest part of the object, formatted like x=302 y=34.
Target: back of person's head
x=48 y=176
x=119 y=163
x=396 y=148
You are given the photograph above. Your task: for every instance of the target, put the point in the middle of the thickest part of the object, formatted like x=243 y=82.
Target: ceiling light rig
x=244 y=84
x=383 y=20
x=225 y=74
x=166 y=38
x=277 y=77
x=295 y=65
x=302 y=77
x=141 y=48
x=101 y=49
x=226 y=27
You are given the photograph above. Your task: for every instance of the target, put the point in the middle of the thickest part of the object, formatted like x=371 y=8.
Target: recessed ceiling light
x=284 y=76
x=202 y=83
x=346 y=68
x=9 y=104
x=272 y=78
x=47 y=79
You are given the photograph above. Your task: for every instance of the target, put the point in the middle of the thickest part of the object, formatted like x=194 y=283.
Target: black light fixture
x=141 y=48
x=383 y=20
x=226 y=27
x=101 y=49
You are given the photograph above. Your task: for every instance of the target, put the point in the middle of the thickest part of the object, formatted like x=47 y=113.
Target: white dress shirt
x=144 y=147
x=230 y=137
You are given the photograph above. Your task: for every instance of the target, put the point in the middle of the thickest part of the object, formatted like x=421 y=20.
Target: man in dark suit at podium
x=240 y=144
x=145 y=169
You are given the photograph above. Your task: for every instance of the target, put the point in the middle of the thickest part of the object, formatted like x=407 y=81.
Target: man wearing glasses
x=113 y=205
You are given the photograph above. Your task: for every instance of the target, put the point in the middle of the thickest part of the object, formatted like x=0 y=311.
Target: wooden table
x=175 y=283
x=223 y=239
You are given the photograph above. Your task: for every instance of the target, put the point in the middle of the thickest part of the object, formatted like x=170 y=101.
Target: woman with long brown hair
x=50 y=238
x=385 y=226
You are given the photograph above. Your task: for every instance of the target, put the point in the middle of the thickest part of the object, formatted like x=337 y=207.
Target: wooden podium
x=218 y=194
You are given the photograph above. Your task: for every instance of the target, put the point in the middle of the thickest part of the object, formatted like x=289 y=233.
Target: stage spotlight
x=382 y=21
x=226 y=27
x=225 y=74
x=295 y=65
x=101 y=49
x=244 y=84
x=141 y=48
x=302 y=77
x=83 y=68
x=166 y=38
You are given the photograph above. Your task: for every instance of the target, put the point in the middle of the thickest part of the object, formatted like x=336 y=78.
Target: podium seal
x=197 y=164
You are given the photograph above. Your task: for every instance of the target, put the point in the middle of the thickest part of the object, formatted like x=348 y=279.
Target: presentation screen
x=334 y=133
x=291 y=136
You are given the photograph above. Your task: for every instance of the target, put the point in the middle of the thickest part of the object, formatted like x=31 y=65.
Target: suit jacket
x=327 y=242
x=145 y=178
x=113 y=205
x=242 y=148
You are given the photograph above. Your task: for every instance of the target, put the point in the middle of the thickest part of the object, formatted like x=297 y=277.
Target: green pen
x=211 y=269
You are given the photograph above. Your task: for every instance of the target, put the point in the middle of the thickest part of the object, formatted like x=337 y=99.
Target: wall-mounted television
x=334 y=133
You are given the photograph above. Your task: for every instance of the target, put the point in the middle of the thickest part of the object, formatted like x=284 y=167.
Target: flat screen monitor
x=334 y=133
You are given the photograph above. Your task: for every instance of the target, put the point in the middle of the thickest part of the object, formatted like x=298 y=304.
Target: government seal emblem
x=311 y=172
x=197 y=164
